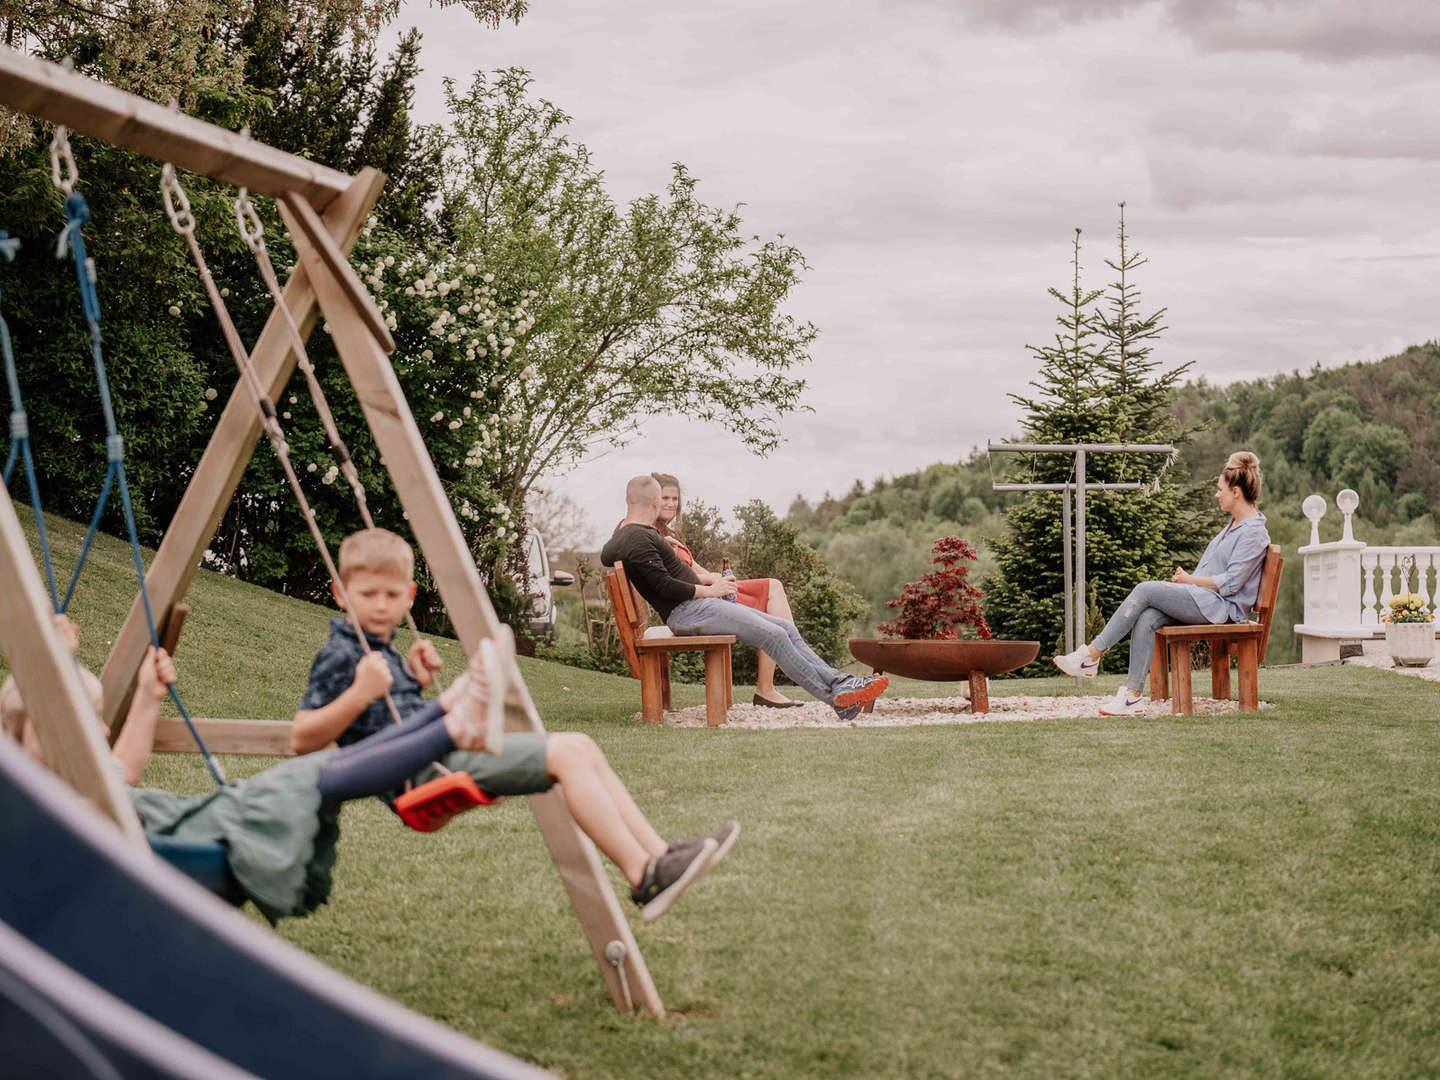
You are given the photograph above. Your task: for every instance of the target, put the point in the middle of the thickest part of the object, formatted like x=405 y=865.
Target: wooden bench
x=649 y=658
x=1170 y=666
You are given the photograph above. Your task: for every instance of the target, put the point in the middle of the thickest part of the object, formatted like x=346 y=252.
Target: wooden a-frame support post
x=49 y=681
x=322 y=240
x=355 y=324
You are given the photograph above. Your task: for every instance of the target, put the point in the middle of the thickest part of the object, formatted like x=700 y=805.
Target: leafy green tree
x=662 y=307
x=304 y=78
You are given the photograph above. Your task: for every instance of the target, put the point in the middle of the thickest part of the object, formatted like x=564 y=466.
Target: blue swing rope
x=72 y=239
x=20 y=434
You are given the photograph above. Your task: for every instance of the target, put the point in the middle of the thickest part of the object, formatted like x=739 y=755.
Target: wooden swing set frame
x=324 y=211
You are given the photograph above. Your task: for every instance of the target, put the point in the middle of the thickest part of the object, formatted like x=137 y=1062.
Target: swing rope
x=72 y=240
x=252 y=231
x=20 y=434
x=177 y=207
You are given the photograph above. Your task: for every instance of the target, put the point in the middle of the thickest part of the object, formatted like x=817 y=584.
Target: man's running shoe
x=668 y=876
x=1078 y=663
x=850 y=712
x=860 y=690
x=1126 y=702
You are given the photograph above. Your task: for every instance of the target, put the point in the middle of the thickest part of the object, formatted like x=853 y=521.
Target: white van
x=539 y=584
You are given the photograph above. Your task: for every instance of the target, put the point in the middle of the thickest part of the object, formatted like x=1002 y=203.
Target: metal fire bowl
x=943 y=661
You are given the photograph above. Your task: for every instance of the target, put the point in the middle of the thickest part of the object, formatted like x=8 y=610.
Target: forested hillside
x=1374 y=427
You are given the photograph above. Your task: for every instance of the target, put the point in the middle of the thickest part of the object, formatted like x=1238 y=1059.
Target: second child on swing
x=345 y=703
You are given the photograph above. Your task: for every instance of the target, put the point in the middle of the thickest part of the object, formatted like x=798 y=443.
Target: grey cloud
x=1325 y=30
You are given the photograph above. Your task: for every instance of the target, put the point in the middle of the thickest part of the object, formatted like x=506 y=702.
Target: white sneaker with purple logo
x=1078 y=663
x=1126 y=702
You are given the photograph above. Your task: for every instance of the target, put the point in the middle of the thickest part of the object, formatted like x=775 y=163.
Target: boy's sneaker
x=668 y=876
x=860 y=690
x=1078 y=663
x=724 y=837
x=849 y=713
x=1126 y=702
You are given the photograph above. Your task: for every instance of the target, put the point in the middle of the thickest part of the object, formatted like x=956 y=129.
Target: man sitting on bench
x=688 y=607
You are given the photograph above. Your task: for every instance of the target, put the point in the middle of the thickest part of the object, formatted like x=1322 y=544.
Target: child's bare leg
x=571 y=759
x=634 y=819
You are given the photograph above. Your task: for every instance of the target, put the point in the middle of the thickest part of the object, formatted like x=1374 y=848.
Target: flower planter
x=1410 y=644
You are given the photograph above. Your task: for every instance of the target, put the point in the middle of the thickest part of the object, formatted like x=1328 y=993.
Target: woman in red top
x=762 y=594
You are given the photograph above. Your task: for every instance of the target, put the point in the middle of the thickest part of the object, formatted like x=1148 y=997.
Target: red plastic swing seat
x=430 y=806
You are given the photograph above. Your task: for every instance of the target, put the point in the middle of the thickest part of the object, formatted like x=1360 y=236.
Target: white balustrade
x=1349 y=584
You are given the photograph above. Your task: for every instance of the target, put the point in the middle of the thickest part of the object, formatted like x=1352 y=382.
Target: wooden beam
x=48 y=91
x=270 y=738
x=170 y=632
x=453 y=568
x=223 y=463
x=49 y=681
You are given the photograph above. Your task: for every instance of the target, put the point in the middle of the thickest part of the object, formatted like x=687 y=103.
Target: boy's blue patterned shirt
x=334 y=670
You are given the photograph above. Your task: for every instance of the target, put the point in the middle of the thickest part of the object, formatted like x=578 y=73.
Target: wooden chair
x=649 y=658
x=1170 y=666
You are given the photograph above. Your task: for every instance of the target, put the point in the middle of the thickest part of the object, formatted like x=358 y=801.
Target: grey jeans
x=778 y=637
x=1150 y=605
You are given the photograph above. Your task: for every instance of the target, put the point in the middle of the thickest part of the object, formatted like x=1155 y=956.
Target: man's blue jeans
x=1150 y=605
x=778 y=637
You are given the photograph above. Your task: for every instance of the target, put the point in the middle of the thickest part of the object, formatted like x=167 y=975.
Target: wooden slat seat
x=1170 y=666
x=649 y=658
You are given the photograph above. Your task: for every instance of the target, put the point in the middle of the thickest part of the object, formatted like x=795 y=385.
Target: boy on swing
x=345 y=703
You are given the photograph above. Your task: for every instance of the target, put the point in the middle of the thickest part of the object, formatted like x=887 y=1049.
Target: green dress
x=279 y=840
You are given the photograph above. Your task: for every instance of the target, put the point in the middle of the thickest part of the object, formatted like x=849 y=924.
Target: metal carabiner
x=63 y=172
x=252 y=229
x=177 y=203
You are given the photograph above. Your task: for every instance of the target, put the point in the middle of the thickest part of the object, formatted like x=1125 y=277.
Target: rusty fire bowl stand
x=946 y=661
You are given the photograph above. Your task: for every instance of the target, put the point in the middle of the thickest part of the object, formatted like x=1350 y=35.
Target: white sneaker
x=1078 y=663
x=1126 y=702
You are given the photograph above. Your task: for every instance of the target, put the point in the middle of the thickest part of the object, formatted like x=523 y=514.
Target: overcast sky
x=1279 y=162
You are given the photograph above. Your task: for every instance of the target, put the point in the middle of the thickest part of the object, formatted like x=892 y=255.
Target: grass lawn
x=1247 y=896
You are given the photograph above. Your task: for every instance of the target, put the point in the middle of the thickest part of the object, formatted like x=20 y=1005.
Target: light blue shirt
x=1234 y=560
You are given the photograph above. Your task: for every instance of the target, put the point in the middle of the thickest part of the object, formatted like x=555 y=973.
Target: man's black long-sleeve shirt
x=652 y=567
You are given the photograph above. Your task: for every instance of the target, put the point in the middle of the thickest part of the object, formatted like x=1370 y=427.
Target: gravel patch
x=913 y=712
x=1377 y=656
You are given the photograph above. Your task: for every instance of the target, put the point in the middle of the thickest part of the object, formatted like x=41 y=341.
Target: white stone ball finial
x=1314 y=509
x=1347 y=501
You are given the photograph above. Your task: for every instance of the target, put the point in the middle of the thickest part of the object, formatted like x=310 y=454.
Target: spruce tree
x=1097 y=383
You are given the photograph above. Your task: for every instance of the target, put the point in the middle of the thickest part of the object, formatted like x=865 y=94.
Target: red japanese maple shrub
x=941 y=602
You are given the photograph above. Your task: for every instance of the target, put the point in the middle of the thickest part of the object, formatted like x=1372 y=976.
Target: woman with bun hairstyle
x=1223 y=588
x=762 y=594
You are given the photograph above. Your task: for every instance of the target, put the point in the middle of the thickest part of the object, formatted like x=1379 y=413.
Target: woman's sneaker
x=1126 y=702
x=668 y=876
x=1078 y=663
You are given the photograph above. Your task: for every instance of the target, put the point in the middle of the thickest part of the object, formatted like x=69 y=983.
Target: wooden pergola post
x=324 y=211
